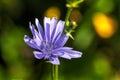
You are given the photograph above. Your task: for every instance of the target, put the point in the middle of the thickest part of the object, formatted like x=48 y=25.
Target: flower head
x=49 y=41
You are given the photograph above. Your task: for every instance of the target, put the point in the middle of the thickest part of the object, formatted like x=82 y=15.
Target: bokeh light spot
x=53 y=12
x=104 y=25
x=101 y=65
x=75 y=16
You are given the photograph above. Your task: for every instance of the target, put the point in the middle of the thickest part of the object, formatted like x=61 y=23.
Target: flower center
x=47 y=49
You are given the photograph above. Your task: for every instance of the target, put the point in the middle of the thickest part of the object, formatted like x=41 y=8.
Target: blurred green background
x=97 y=35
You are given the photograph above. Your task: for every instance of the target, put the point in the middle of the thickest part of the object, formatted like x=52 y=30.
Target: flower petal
x=40 y=29
x=47 y=28
x=38 y=54
x=34 y=31
x=37 y=38
x=30 y=42
x=61 y=42
x=65 y=55
x=57 y=53
x=62 y=49
x=32 y=28
x=54 y=60
x=53 y=25
x=68 y=52
x=75 y=54
x=58 y=31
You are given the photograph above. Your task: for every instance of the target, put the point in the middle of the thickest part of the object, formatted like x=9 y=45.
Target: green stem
x=54 y=72
x=67 y=17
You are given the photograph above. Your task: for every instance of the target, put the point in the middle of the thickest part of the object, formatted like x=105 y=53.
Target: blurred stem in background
x=71 y=4
x=67 y=23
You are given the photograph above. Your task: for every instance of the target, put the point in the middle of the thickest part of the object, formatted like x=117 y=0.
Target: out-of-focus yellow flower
x=104 y=25
x=53 y=12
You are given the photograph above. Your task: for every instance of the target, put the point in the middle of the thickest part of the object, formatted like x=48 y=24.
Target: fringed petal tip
x=25 y=38
x=71 y=54
x=36 y=21
x=55 y=18
x=29 y=41
x=76 y=54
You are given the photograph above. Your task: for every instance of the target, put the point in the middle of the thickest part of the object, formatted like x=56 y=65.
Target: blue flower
x=49 y=41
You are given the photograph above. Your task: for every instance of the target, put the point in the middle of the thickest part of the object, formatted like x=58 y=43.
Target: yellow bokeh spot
x=104 y=25
x=53 y=12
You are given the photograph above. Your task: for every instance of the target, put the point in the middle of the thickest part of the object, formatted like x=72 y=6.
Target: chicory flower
x=49 y=42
